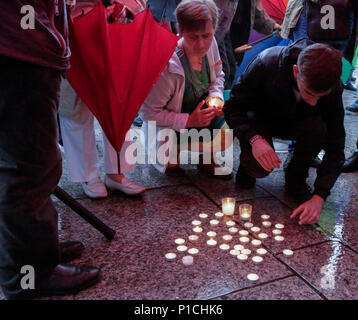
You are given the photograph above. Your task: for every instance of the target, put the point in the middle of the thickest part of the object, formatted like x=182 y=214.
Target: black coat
x=264 y=98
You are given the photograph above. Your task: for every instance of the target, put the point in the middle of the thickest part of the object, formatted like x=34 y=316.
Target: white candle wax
x=287 y=252
x=227 y=238
x=276 y=231
x=265 y=217
x=266 y=224
x=211 y=242
x=243 y=232
x=211 y=234
x=252 y=277
x=214 y=222
x=261 y=251
x=179 y=241
x=182 y=248
x=224 y=246
x=193 y=238
x=239 y=247
x=193 y=251
x=279 y=226
x=255 y=229
x=219 y=214
x=246 y=251
x=198 y=229
x=279 y=238
x=170 y=256
x=256 y=242
x=262 y=235
x=244 y=240
x=196 y=223
x=233 y=230
x=242 y=257
x=234 y=252
x=257 y=259
x=248 y=225
x=203 y=215
x=245 y=215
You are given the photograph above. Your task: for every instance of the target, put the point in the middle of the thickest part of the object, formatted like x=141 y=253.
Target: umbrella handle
x=237 y=50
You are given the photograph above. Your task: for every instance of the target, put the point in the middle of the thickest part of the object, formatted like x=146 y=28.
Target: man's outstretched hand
x=309 y=211
x=265 y=155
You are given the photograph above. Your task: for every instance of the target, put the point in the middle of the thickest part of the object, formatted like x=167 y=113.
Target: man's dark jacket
x=46 y=44
x=264 y=100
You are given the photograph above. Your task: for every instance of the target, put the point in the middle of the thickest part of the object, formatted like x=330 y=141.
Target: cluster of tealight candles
x=237 y=250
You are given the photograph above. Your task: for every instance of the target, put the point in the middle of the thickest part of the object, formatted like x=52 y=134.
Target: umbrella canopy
x=276 y=9
x=114 y=66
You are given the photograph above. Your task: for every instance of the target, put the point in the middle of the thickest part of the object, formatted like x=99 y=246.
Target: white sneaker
x=94 y=188
x=126 y=186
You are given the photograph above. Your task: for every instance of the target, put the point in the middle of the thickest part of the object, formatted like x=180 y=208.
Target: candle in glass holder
x=219 y=214
x=198 y=229
x=227 y=238
x=188 y=260
x=214 y=222
x=228 y=206
x=245 y=211
x=215 y=102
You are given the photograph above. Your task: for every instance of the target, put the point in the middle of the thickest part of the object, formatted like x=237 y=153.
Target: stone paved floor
x=324 y=264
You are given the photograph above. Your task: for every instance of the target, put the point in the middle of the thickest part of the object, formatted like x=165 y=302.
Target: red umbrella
x=275 y=9
x=114 y=66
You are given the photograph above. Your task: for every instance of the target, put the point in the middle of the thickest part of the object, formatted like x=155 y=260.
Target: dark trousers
x=30 y=168
x=228 y=60
x=310 y=134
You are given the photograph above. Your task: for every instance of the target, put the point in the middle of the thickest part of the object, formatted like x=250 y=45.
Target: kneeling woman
x=193 y=75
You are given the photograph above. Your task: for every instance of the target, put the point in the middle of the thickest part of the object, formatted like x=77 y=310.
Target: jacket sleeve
x=263 y=23
x=333 y=160
x=155 y=105
x=245 y=99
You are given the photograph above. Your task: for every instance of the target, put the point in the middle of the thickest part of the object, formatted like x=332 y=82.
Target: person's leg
x=353 y=107
x=351 y=164
x=30 y=168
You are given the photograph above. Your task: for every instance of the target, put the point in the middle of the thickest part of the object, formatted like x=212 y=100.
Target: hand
x=218 y=112
x=243 y=48
x=200 y=118
x=277 y=27
x=310 y=210
x=265 y=155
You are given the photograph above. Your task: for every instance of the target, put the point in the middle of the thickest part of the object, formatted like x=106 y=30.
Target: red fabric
x=275 y=9
x=114 y=66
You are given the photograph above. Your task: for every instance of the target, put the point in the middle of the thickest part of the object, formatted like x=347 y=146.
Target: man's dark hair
x=320 y=67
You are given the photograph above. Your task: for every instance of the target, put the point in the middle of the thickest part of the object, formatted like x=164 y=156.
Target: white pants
x=79 y=143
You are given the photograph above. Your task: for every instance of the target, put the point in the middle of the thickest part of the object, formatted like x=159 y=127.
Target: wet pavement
x=323 y=264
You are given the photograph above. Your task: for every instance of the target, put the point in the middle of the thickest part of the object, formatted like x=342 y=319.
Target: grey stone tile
x=330 y=267
x=291 y=288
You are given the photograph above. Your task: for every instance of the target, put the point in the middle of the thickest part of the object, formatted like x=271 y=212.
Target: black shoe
x=300 y=192
x=244 y=180
x=353 y=107
x=351 y=163
x=349 y=86
x=316 y=162
x=70 y=250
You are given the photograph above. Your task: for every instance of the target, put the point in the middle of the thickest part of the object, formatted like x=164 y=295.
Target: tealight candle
x=214 y=102
x=234 y=252
x=248 y=225
x=243 y=232
x=182 y=248
x=233 y=230
x=203 y=215
x=211 y=234
x=219 y=214
x=246 y=251
x=179 y=241
x=279 y=226
x=262 y=235
x=256 y=242
x=265 y=217
x=211 y=242
x=266 y=224
x=193 y=250
x=239 y=247
x=193 y=238
x=245 y=211
x=287 y=252
x=257 y=259
x=244 y=240
x=255 y=229
x=252 y=277
x=224 y=246
x=230 y=223
x=214 y=222
x=227 y=238
x=188 y=260
x=196 y=223
x=228 y=206
x=198 y=229
x=242 y=257
x=275 y=231
x=261 y=251
x=279 y=238
x=170 y=256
